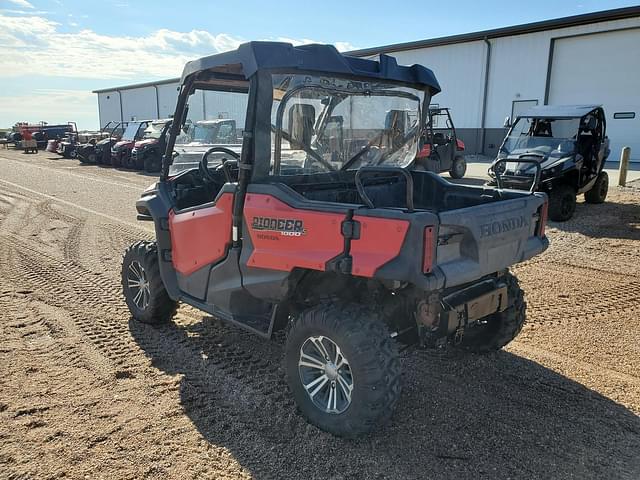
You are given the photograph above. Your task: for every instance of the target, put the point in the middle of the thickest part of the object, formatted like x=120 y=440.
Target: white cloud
x=22 y=3
x=53 y=106
x=35 y=45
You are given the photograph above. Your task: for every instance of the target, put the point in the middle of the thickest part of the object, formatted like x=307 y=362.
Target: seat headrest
x=301 y=120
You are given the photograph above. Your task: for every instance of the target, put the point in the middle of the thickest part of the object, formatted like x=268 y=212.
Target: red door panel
x=284 y=237
x=380 y=241
x=201 y=237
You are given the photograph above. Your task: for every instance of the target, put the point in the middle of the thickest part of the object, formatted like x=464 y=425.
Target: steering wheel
x=224 y=166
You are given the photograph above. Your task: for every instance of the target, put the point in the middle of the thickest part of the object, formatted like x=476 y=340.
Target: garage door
x=602 y=68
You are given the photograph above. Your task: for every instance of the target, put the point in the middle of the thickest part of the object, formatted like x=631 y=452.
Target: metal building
x=144 y=101
x=489 y=75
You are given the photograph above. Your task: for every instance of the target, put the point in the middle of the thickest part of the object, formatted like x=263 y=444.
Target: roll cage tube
x=167 y=159
x=279 y=134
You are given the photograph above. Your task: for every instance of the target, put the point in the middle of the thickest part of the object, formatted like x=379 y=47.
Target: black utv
x=559 y=150
x=100 y=151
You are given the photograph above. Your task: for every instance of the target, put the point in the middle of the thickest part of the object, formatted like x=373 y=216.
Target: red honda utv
x=318 y=225
x=442 y=150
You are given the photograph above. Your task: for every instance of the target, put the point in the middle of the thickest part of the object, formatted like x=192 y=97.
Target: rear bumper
x=472 y=303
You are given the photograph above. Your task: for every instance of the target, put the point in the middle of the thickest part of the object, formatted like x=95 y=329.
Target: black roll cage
x=598 y=111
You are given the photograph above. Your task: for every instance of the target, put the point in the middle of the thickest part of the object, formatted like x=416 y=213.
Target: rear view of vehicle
x=442 y=150
x=560 y=150
x=317 y=225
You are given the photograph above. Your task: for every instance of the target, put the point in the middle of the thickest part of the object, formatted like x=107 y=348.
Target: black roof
x=254 y=56
x=559 y=111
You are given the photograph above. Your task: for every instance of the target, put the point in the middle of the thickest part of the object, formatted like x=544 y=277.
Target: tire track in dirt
x=46 y=274
x=71 y=244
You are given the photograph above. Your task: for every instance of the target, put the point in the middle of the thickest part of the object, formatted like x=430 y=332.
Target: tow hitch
x=439 y=321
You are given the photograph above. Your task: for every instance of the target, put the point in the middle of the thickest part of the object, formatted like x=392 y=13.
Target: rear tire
x=500 y=328
x=598 y=192
x=355 y=337
x=142 y=286
x=562 y=203
x=458 y=168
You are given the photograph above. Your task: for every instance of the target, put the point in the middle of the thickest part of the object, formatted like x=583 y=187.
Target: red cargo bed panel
x=284 y=237
x=380 y=241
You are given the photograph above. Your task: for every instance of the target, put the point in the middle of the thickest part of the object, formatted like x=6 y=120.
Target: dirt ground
x=87 y=393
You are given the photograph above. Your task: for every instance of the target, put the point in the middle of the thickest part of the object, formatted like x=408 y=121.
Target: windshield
x=154 y=130
x=542 y=136
x=118 y=131
x=214 y=119
x=131 y=131
x=209 y=133
x=322 y=124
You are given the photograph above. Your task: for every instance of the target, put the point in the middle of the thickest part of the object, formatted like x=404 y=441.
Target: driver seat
x=587 y=140
x=302 y=117
x=396 y=123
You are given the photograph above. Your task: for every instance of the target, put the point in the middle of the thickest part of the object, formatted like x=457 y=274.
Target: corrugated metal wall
x=518 y=73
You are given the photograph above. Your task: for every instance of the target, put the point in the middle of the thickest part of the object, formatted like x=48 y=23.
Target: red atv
x=442 y=150
x=318 y=226
x=147 y=152
x=121 y=150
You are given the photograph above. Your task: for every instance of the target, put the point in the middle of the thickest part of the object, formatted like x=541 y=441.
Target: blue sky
x=53 y=53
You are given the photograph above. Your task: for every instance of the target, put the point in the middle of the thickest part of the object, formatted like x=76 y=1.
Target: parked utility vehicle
x=121 y=150
x=331 y=235
x=560 y=150
x=100 y=151
x=442 y=150
x=198 y=137
x=147 y=152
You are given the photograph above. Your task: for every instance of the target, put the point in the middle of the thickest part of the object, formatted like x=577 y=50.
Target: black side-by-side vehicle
x=557 y=149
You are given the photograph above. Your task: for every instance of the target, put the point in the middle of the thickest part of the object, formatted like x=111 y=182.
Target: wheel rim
x=138 y=285
x=460 y=168
x=325 y=374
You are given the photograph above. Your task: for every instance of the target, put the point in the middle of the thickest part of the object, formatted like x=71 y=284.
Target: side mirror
x=507 y=122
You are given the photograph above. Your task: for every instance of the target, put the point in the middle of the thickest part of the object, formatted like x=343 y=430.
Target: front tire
x=142 y=286
x=343 y=369
x=562 y=203
x=598 y=192
x=497 y=330
x=458 y=168
x=151 y=162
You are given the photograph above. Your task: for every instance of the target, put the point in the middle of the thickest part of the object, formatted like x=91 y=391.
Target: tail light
x=429 y=245
x=425 y=151
x=542 y=222
x=459 y=144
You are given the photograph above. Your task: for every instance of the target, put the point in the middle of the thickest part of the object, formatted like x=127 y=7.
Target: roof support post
x=485 y=92
x=157 y=102
x=120 y=100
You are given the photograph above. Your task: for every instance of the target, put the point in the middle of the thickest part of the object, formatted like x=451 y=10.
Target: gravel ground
x=88 y=393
